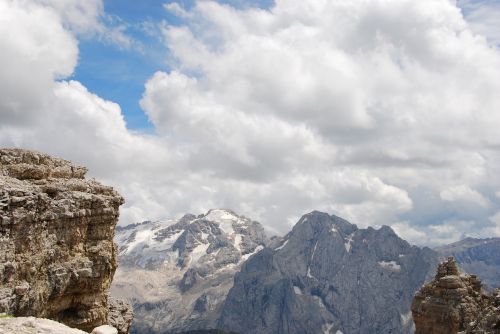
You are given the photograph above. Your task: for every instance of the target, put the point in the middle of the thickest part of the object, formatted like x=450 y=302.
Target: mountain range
x=219 y=270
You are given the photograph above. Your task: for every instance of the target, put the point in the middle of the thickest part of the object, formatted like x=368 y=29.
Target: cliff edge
x=454 y=303
x=57 y=256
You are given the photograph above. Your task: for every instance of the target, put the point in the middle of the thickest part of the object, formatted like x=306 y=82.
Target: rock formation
x=177 y=273
x=478 y=256
x=120 y=315
x=454 y=303
x=57 y=256
x=31 y=325
x=328 y=276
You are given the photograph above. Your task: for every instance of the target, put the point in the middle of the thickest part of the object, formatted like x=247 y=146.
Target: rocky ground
x=455 y=303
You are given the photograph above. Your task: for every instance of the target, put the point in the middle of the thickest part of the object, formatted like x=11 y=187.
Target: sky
x=384 y=112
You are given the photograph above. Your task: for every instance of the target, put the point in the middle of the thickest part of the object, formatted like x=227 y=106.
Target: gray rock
x=120 y=315
x=328 y=276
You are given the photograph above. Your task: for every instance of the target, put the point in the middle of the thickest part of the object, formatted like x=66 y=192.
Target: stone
x=120 y=315
x=31 y=325
x=455 y=303
x=56 y=240
x=105 y=329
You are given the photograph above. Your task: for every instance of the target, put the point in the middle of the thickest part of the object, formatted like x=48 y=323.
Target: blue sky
x=119 y=74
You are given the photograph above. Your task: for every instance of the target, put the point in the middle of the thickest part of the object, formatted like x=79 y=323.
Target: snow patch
x=198 y=252
x=237 y=241
x=319 y=301
x=282 y=245
x=312 y=257
x=255 y=251
x=224 y=218
x=297 y=290
x=333 y=229
x=390 y=265
x=348 y=242
x=406 y=318
x=326 y=328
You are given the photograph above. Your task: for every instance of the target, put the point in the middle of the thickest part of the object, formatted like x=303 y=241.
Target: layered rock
x=177 y=273
x=328 y=276
x=454 y=303
x=57 y=256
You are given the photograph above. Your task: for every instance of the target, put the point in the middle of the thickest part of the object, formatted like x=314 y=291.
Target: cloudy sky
x=380 y=111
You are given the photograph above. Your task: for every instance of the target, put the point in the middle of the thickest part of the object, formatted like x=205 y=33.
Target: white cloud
x=484 y=18
x=465 y=194
x=88 y=19
x=372 y=110
x=409 y=233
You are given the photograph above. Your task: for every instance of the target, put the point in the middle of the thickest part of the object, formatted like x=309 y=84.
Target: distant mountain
x=177 y=273
x=478 y=256
x=328 y=276
x=219 y=271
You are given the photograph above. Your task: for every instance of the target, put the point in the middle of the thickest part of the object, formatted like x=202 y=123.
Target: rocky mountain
x=479 y=256
x=57 y=256
x=328 y=276
x=455 y=303
x=177 y=273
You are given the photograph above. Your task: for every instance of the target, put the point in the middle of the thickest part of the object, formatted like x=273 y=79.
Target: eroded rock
x=454 y=303
x=120 y=315
x=56 y=240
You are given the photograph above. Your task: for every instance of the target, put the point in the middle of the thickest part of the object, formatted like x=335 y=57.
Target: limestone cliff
x=328 y=276
x=57 y=257
x=454 y=303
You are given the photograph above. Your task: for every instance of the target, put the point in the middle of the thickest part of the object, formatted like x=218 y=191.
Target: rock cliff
x=57 y=256
x=328 y=276
x=454 y=303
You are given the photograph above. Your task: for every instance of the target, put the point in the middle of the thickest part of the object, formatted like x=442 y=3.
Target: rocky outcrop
x=57 y=256
x=328 y=276
x=454 y=303
x=177 y=273
x=478 y=256
x=120 y=315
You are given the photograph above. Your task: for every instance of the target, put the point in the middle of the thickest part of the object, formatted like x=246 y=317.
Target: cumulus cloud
x=383 y=112
x=484 y=18
x=400 y=94
x=88 y=19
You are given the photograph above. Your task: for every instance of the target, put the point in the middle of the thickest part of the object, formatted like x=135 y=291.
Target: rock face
x=328 y=276
x=177 y=273
x=454 y=303
x=120 y=315
x=478 y=256
x=57 y=256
